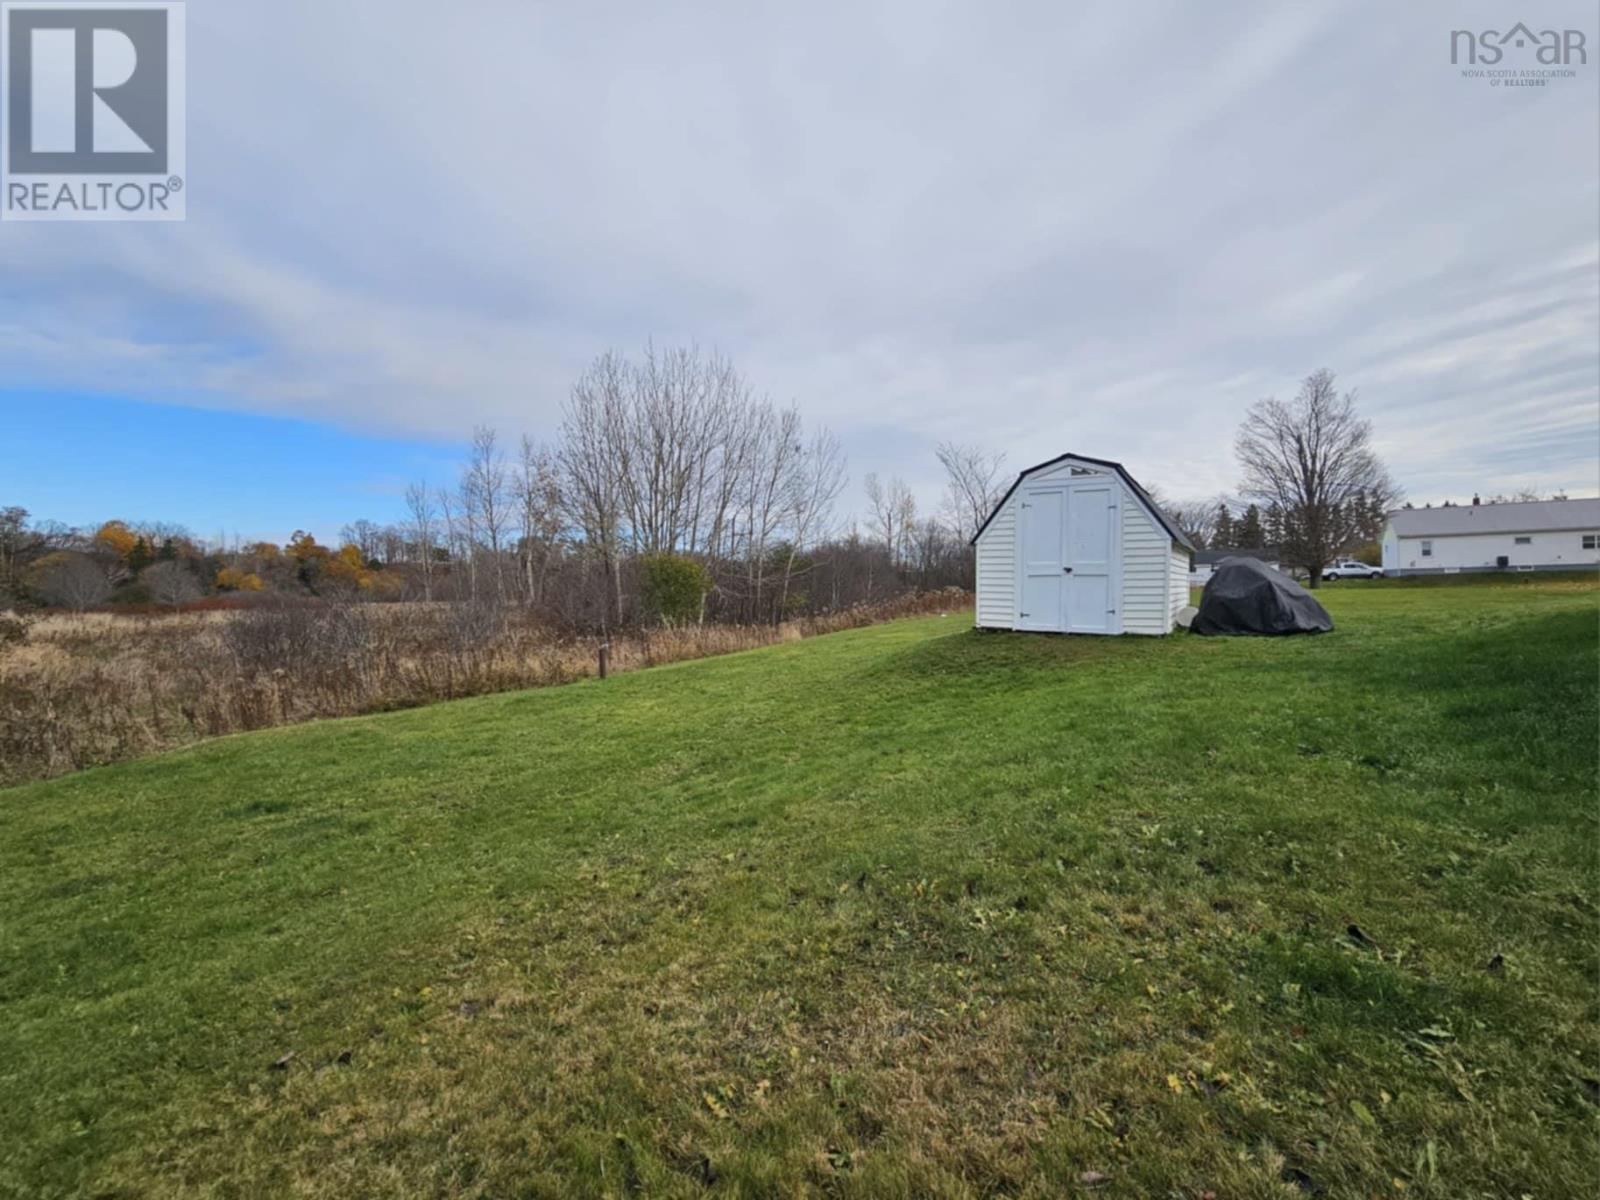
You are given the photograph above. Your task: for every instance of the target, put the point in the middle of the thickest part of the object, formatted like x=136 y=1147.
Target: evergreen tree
x=139 y=557
x=1377 y=517
x=168 y=551
x=1273 y=525
x=1223 y=536
x=1249 y=531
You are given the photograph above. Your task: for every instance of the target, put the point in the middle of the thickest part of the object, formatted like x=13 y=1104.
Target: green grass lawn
x=907 y=911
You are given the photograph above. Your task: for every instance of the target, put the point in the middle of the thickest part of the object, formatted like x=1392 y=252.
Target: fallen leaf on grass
x=1093 y=1178
x=283 y=1063
x=1175 y=1084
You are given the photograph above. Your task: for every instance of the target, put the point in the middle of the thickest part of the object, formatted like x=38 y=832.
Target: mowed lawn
x=906 y=911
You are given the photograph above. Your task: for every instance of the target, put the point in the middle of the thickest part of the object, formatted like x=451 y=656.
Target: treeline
x=1221 y=526
x=674 y=493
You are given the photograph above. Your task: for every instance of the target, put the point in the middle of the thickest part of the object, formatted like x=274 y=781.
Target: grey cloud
x=1035 y=226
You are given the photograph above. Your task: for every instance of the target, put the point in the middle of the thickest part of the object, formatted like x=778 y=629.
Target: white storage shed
x=1077 y=546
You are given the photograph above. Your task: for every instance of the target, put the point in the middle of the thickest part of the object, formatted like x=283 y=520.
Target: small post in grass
x=605 y=658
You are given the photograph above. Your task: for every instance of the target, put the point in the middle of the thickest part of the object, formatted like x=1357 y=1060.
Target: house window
x=1427 y=549
x=1527 y=541
x=1591 y=541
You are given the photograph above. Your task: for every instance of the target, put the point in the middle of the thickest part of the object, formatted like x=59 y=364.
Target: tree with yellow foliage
x=304 y=548
x=309 y=557
x=347 y=569
x=116 y=537
x=232 y=579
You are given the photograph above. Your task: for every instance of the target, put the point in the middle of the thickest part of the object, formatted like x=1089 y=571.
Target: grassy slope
x=908 y=910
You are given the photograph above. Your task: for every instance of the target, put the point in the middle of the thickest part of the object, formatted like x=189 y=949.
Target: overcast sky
x=1105 y=228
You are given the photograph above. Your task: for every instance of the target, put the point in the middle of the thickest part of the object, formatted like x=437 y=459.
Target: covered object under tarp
x=1246 y=597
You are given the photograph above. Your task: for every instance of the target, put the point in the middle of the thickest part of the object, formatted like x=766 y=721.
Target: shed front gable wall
x=1147 y=581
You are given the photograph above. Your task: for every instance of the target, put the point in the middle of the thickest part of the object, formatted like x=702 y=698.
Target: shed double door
x=1068 y=569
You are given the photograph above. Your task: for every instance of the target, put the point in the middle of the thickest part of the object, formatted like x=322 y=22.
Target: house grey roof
x=1165 y=521
x=1533 y=516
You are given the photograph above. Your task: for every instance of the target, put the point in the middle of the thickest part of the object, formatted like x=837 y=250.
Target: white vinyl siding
x=1146 y=589
x=1180 y=579
x=997 y=571
x=1553 y=550
x=1151 y=571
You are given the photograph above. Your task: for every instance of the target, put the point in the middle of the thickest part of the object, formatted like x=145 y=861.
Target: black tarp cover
x=1247 y=597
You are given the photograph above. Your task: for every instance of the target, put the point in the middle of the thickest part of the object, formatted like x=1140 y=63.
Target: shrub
x=297 y=635
x=232 y=579
x=13 y=630
x=69 y=580
x=170 y=582
x=121 y=685
x=674 y=587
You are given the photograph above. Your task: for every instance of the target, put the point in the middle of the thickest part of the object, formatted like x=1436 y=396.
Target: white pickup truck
x=1350 y=569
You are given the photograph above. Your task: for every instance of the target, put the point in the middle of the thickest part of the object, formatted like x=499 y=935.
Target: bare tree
x=1524 y=495
x=171 y=583
x=537 y=490
x=422 y=532
x=778 y=451
x=1313 y=458
x=667 y=437
x=1197 y=519
x=455 y=539
x=590 y=464
x=71 y=580
x=13 y=542
x=485 y=504
x=894 y=512
x=366 y=536
x=812 y=490
x=973 y=486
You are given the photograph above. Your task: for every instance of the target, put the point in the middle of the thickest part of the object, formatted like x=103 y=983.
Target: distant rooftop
x=1530 y=516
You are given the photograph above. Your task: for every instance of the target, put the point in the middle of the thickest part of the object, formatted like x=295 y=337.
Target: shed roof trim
x=1143 y=496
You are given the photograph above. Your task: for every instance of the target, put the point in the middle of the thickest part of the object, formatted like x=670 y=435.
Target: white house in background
x=1077 y=546
x=1205 y=562
x=1537 y=535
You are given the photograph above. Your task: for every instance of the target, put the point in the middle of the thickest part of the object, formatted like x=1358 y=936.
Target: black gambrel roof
x=1154 y=509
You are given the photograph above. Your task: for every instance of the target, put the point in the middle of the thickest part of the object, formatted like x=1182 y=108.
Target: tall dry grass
x=81 y=690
